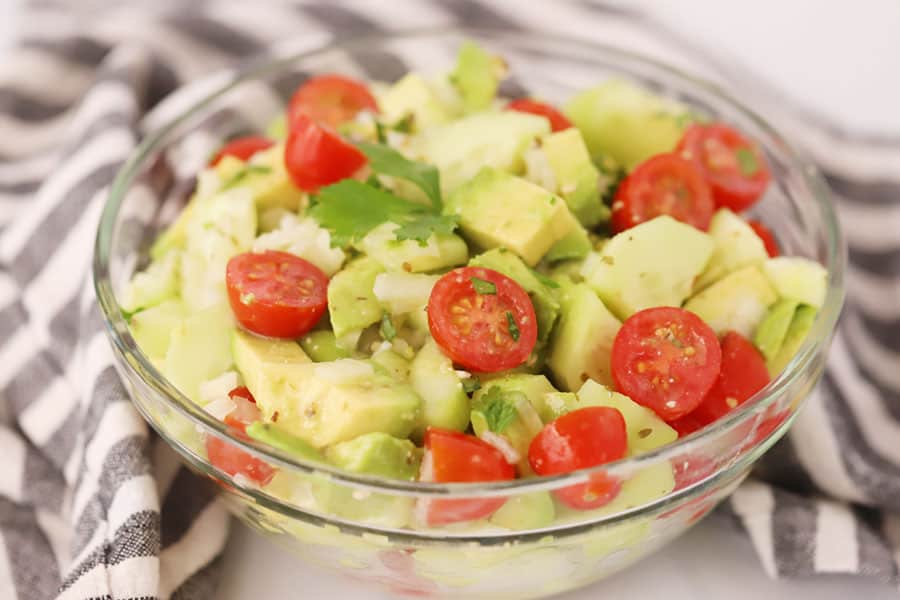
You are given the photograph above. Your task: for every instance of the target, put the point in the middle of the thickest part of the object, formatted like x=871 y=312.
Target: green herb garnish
x=513 y=328
x=387 y=329
x=380 y=134
x=387 y=161
x=544 y=279
x=747 y=162
x=498 y=409
x=421 y=228
x=471 y=384
x=483 y=286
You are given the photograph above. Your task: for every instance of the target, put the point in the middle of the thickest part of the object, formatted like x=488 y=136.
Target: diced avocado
x=391 y=363
x=477 y=75
x=277 y=437
x=555 y=404
x=321 y=346
x=576 y=245
x=639 y=267
x=736 y=246
x=772 y=330
x=263 y=362
x=266 y=176
x=156 y=284
x=498 y=210
x=645 y=430
x=499 y=407
x=379 y=454
x=412 y=95
x=525 y=511
x=490 y=139
x=152 y=328
x=562 y=159
x=400 y=293
x=199 y=349
x=442 y=250
x=546 y=307
x=582 y=342
x=798 y=278
x=352 y=304
x=444 y=403
x=800 y=325
x=737 y=302
x=626 y=122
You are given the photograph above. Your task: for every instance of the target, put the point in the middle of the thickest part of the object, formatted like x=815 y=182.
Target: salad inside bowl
x=443 y=330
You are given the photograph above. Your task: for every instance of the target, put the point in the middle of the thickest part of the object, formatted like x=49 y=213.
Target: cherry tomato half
x=767 y=237
x=231 y=459
x=276 y=294
x=743 y=373
x=454 y=457
x=558 y=121
x=733 y=166
x=583 y=438
x=315 y=156
x=330 y=100
x=665 y=184
x=666 y=359
x=242 y=148
x=491 y=328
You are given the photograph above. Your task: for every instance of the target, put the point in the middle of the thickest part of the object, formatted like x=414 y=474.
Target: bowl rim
x=123 y=343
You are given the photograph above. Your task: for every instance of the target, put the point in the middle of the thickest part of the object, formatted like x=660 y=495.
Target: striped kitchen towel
x=93 y=506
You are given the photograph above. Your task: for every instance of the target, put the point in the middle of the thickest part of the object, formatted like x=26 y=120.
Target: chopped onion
x=219 y=386
x=221 y=407
x=403 y=292
x=499 y=442
x=345 y=370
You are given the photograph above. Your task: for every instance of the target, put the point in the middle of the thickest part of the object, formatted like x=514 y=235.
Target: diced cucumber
x=800 y=326
x=736 y=246
x=444 y=403
x=772 y=330
x=152 y=328
x=738 y=302
x=321 y=346
x=476 y=76
x=525 y=511
x=158 y=283
x=798 y=278
x=199 y=349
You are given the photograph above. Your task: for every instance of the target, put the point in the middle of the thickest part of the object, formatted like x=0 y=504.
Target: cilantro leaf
x=498 y=409
x=420 y=228
x=380 y=134
x=747 y=162
x=544 y=279
x=483 y=286
x=387 y=161
x=387 y=329
x=513 y=327
x=244 y=173
x=471 y=384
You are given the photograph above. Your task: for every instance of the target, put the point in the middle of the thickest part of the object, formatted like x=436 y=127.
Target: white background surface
x=841 y=59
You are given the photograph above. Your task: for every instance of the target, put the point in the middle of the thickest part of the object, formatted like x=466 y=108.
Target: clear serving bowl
x=365 y=526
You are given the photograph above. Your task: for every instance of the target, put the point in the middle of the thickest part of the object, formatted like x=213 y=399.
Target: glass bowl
x=366 y=526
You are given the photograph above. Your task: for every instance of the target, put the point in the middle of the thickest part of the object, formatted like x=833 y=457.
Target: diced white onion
x=462 y=374
x=345 y=370
x=500 y=443
x=538 y=169
x=218 y=386
x=304 y=238
x=403 y=292
x=220 y=407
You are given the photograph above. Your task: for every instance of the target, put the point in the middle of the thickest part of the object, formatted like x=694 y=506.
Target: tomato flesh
x=276 y=294
x=733 y=166
x=454 y=457
x=316 y=156
x=581 y=439
x=231 y=459
x=558 y=121
x=666 y=359
x=767 y=237
x=330 y=100
x=487 y=331
x=242 y=148
x=665 y=184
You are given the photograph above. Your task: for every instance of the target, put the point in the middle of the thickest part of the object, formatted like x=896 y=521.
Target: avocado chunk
x=476 y=76
x=266 y=176
x=546 y=307
x=575 y=245
x=582 y=342
x=626 y=122
x=444 y=403
x=322 y=346
x=538 y=220
x=157 y=283
x=798 y=278
x=525 y=511
x=490 y=139
x=500 y=408
x=639 y=267
x=389 y=362
x=152 y=328
x=379 y=454
x=736 y=246
x=199 y=349
x=772 y=330
x=441 y=250
x=277 y=437
x=412 y=95
x=800 y=325
x=352 y=304
x=263 y=362
x=738 y=302
x=560 y=162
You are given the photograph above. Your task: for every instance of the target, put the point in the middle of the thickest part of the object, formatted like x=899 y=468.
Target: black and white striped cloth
x=93 y=506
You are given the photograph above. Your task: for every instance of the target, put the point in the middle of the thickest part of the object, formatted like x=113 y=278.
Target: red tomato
x=583 y=438
x=242 y=148
x=493 y=330
x=771 y=421
x=767 y=237
x=733 y=166
x=558 y=121
x=743 y=373
x=453 y=457
x=690 y=469
x=330 y=99
x=666 y=359
x=276 y=294
x=231 y=459
x=315 y=156
x=665 y=184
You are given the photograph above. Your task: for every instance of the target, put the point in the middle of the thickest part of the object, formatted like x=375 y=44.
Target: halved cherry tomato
x=666 y=359
x=743 y=373
x=665 y=184
x=558 y=121
x=733 y=166
x=276 y=294
x=315 y=156
x=767 y=237
x=493 y=328
x=242 y=148
x=454 y=457
x=231 y=459
x=330 y=99
x=583 y=438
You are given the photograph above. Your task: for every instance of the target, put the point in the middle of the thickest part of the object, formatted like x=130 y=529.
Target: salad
x=425 y=281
